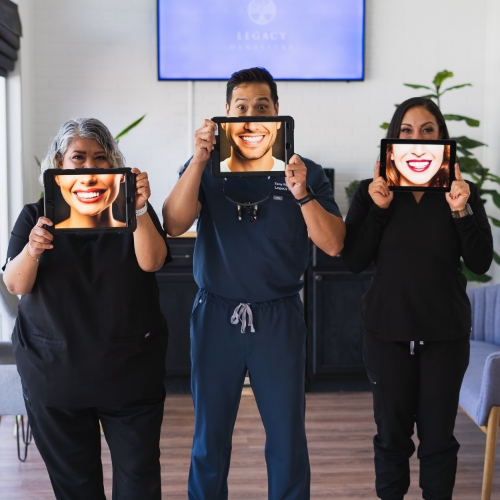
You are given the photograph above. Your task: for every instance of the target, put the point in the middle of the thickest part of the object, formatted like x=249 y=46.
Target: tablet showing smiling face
x=251 y=140
x=90 y=194
x=417 y=163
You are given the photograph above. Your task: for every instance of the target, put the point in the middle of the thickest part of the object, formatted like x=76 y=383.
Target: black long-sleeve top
x=418 y=289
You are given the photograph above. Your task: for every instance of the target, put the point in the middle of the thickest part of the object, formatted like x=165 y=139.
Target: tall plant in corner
x=469 y=164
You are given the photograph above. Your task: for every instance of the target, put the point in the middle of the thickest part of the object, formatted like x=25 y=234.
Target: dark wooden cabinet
x=177 y=292
x=333 y=315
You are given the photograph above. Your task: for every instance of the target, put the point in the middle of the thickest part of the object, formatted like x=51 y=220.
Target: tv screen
x=294 y=40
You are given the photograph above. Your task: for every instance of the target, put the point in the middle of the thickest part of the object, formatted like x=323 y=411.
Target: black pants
x=69 y=442
x=422 y=388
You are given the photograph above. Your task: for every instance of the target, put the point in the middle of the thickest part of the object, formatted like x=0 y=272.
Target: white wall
x=98 y=58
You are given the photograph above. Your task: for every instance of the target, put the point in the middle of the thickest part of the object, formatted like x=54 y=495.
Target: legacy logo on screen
x=294 y=40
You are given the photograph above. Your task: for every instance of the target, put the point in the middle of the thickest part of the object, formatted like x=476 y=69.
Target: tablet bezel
x=289 y=126
x=446 y=142
x=130 y=217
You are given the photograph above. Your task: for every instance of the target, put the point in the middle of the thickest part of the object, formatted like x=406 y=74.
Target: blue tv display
x=293 y=39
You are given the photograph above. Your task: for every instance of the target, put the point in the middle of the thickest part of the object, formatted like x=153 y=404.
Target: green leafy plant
x=469 y=164
x=128 y=128
x=350 y=189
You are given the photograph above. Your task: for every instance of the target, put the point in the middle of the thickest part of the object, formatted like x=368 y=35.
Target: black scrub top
x=418 y=289
x=260 y=261
x=91 y=332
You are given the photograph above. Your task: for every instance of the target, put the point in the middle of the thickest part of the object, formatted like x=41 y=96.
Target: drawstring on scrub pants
x=241 y=312
x=412 y=346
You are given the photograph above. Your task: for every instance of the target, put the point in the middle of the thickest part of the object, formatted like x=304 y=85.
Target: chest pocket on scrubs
x=284 y=218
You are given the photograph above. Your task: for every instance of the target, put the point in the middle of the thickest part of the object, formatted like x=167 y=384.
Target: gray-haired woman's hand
x=142 y=188
x=40 y=239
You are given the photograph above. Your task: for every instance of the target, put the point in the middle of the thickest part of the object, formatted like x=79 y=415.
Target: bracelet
x=458 y=214
x=34 y=259
x=142 y=210
x=310 y=196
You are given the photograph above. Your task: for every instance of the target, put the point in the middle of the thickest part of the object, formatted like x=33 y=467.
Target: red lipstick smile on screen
x=252 y=140
x=418 y=165
x=89 y=195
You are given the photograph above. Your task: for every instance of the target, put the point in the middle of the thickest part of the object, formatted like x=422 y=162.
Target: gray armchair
x=480 y=393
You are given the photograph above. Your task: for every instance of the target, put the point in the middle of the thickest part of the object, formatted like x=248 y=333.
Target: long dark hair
x=416 y=102
x=441 y=178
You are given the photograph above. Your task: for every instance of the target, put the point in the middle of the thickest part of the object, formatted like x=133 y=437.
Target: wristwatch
x=310 y=196
x=458 y=214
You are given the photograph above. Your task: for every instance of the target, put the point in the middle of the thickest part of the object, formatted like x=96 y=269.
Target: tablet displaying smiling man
x=246 y=146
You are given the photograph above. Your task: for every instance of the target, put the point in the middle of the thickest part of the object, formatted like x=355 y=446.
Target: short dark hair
x=259 y=75
x=417 y=102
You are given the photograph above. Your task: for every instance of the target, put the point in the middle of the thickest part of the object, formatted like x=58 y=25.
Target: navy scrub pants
x=422 y=389
x=69 y=442
x=274 y=355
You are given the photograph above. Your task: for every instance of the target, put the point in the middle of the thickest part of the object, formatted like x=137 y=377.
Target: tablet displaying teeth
x=256 y=138
x=88 y=195
x=419 y=165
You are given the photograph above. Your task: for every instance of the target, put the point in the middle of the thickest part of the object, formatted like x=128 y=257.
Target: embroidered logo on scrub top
x=278 y=198
x=280 y=186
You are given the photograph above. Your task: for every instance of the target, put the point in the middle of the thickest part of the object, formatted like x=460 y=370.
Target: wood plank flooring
x=340 y=430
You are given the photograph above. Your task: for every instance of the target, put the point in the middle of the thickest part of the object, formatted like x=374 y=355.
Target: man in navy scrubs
x=248 y=314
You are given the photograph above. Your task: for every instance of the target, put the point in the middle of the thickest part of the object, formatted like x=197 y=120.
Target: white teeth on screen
x=253 y=138
x=89 y=196
x=419 y=164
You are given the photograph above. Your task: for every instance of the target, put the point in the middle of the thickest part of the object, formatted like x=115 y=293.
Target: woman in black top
x=416 y=314
x=90 y=339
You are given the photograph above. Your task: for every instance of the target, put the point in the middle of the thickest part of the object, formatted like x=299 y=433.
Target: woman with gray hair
x=90 y=339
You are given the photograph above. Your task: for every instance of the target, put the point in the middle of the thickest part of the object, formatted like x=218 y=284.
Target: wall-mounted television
x=293 y=39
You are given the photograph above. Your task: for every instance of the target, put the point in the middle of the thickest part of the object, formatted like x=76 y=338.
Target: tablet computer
x=418 y=165
x=90 y=200
x=252 y=146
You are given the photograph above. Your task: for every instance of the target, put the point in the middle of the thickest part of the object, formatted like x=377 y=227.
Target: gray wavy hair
x=89 y=128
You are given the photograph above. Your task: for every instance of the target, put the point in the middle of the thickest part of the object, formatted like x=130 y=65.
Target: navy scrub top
x=260 y=261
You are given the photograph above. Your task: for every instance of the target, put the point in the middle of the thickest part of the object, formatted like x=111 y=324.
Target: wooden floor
x=340 y=430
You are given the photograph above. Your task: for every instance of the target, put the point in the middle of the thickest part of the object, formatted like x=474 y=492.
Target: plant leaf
x=413 y=86
x=496 y=257
x=472 y=122
x=38 y=162
x=493 y=177
x=495 y=196
x=471 y=166
x=384 y=126
x=441 y=77
x=496 y=223
x=464 y=151
x=481 y=278
x=430 y=96
x=468 y=143
x=127 y=129
x=457 y=87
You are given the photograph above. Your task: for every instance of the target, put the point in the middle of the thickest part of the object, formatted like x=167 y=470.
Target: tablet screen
x=251 y=146
x=89 y=199
x=418 y=165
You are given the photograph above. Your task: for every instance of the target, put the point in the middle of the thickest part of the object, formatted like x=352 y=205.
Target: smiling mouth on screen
x=89 y=195
x=419 y=165
x=252 y=140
